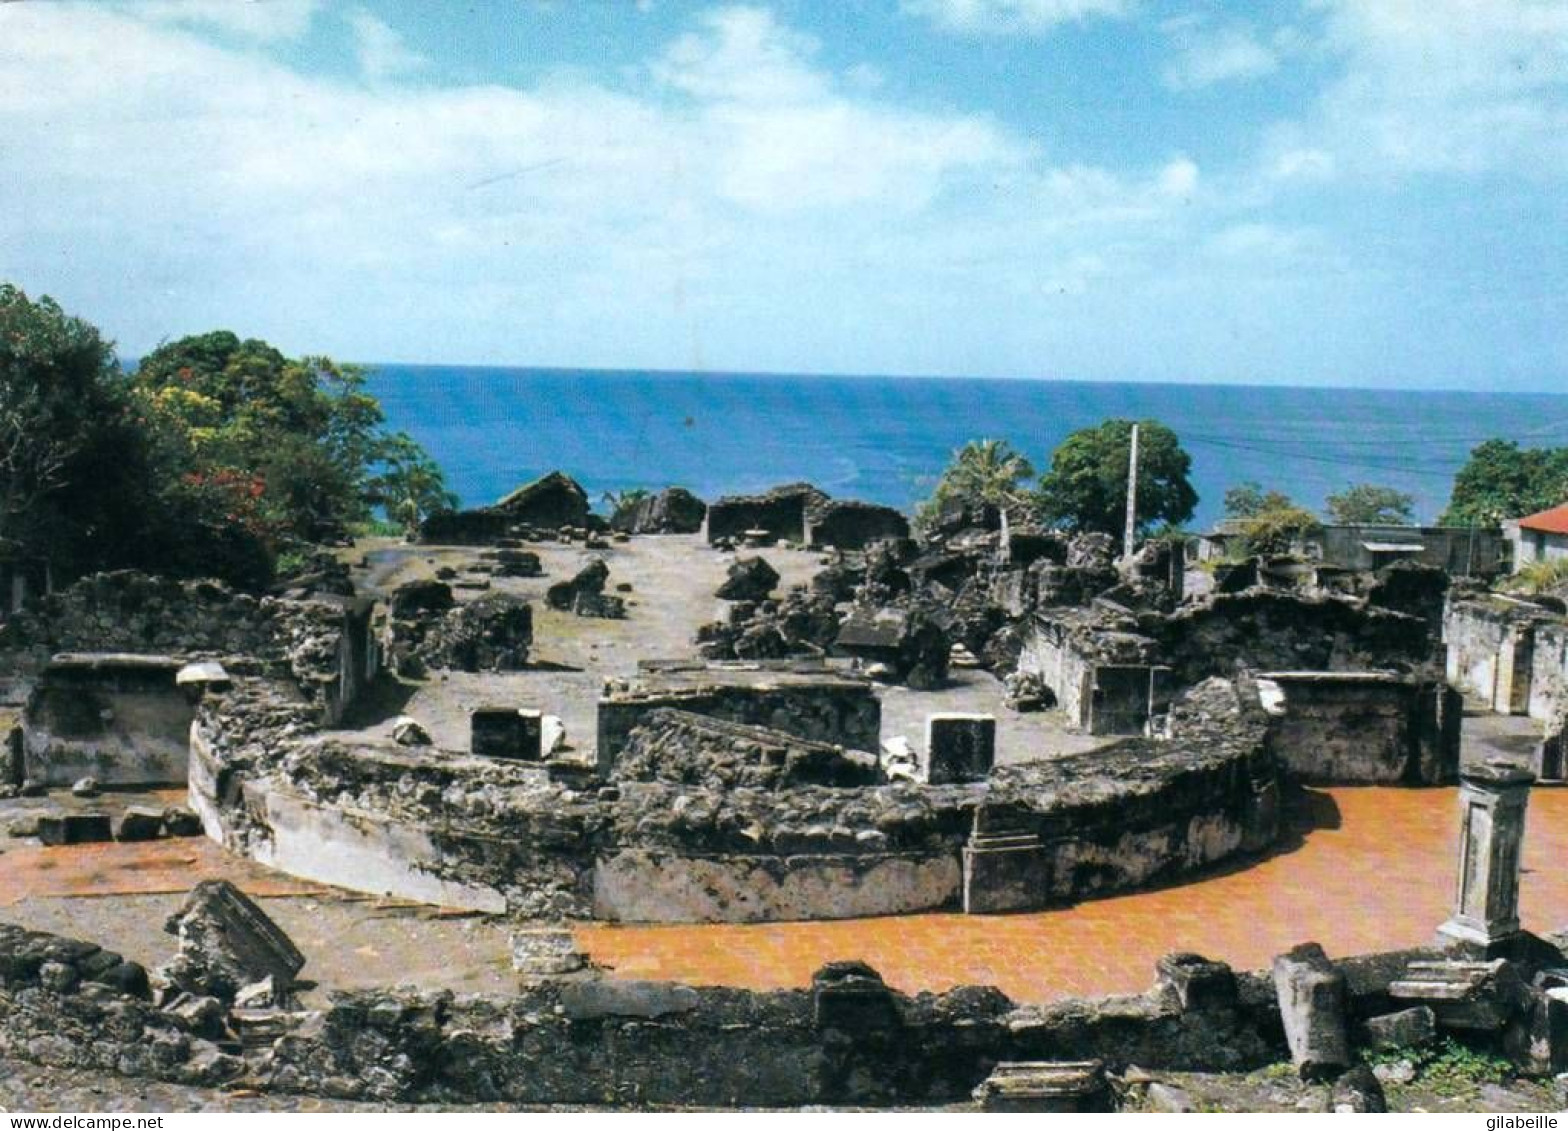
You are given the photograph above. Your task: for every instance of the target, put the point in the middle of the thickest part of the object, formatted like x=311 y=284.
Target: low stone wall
x=1364 y=728
x=780 y=512
x=847 y=524
x=846 y=1040
x=1104 y=681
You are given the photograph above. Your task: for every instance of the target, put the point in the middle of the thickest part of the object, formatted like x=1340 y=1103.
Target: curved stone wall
x=499 y=836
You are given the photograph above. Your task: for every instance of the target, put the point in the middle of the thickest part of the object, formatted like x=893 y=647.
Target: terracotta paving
x=144 y=868
x=1372 y=869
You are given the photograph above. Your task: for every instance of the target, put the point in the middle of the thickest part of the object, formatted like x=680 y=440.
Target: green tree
x=1248 y=499
x=301 y=438
x=408 y=485
x=1501 y=480
x=1086 y=487
x=1368 y=504
x=983 y=472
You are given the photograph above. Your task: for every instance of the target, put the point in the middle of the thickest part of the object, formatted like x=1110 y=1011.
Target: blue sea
x=887 y=439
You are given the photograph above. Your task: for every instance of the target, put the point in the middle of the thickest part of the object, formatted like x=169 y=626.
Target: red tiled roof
x=1554 y=521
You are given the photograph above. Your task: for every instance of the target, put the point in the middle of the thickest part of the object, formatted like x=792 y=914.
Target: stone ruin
x=803 y=514
x=673 y=510
x=584 y=593
x=552 y=503
x=429 y=629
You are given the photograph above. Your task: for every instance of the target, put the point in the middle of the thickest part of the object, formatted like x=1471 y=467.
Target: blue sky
x=1360 y=192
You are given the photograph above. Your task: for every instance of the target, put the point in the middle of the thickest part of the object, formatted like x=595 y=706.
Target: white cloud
x=380 y=49
x=1028 y=17
x=735 y=201
x=265 y=21
x=1205 y=57
x=1450 y=86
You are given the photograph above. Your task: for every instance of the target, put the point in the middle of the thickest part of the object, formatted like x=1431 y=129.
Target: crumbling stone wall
x=1491 y=653
x=848 y=524
x=781 y=512
x=848 y=1039
x=836 y=710
x=686 y=749
x=1371 y=728
x=118 y=719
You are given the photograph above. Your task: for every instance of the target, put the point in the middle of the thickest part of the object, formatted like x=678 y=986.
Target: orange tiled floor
x=1382 y=879
x=133 y=869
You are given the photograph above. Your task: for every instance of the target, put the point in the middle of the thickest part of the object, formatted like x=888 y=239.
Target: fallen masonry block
x=56 y=829
x=227 y=943
x=749 y=579
x=1046 y=1086
x=139 y=823
x=180 y=821
x=1408 y=1028
x=1357 y=1091
x=1312 y=997
x=1477 y=996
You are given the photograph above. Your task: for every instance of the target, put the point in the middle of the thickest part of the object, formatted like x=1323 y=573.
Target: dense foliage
x=1086 y=486
x=216 y=456
x=1501 y=480
x=982 y=472
x=1265 y=522
x=1367 y=504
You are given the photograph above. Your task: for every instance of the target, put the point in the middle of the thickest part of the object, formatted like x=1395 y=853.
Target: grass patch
x=1449 y=1067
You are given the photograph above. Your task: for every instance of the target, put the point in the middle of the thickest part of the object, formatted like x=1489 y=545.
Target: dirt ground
x=672 y=579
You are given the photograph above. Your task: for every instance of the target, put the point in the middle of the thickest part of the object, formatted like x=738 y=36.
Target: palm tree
x=987 y=472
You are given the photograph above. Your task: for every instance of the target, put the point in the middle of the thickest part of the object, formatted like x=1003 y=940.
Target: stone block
x=1406 y=1029
x=180 y=821
x=1357 y=1092
x=959 y=747
x=1312 y=999
x=1475 y=996
x=227 y=943
x=56 y=829
x=851 y=997
x=507 y=732
x=1195 y=982
x=139 y=822
x=1046 y=1086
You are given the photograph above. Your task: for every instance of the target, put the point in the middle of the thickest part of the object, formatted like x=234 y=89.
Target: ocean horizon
x=887 y=439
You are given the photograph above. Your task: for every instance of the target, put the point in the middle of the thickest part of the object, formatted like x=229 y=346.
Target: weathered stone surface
x=415 y=597
x=408 y=731
x=551 y=502
x=1357 y=1091
x=180 y=821
x=609 y=997
x=56 y=829
x=1195 y=983
x=849 y=524
x=685 y=748
x=749 y=579
x=1479 y=996
x=959 y=747
x=139 y=822
x=1405 y=1029
x=1312 y=1000
x=491 y=633
x=673 y=510
x=227 y=943
x=546 y=952
x=852 y=997
x=588 y=582
x=1046 y=1086
x=780 y=513
x=901 y=643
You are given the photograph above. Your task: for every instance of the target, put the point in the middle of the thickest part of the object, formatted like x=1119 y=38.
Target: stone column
x=1492 y=801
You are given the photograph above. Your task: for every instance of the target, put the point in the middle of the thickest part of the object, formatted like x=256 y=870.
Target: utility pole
x=1132 y=495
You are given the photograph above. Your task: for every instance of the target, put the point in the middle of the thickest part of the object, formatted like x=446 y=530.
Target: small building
x=1540 y=537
